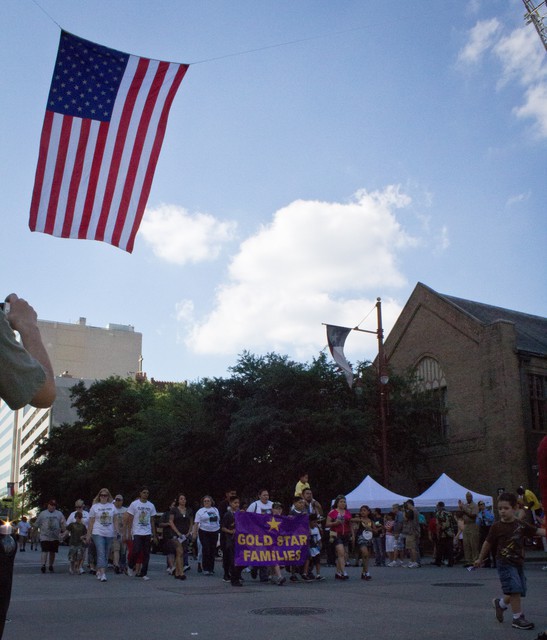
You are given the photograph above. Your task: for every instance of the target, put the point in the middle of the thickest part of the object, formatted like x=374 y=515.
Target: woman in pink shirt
x=339 y=523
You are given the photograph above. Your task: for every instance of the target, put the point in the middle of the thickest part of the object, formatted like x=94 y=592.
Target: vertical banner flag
x=104 y=125
x=336 y=337
x=265 y=540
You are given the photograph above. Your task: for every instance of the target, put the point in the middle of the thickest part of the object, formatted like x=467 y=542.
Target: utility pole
x=537 y=15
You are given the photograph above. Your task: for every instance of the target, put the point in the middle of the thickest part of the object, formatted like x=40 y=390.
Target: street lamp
x=383 y=379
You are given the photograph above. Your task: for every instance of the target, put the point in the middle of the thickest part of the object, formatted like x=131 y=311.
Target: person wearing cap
x=26 y=374
x=52 y=525
x=485 y=519
x=119 y=548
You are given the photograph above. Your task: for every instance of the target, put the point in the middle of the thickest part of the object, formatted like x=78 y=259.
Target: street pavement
x=397 y=604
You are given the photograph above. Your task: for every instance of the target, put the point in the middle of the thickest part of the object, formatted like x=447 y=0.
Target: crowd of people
x=108 y=533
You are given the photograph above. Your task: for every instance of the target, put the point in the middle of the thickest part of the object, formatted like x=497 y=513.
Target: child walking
x=78 y=532
x=507 y=537
x=314 y=552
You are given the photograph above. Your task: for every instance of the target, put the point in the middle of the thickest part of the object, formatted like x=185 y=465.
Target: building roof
x=531 y=331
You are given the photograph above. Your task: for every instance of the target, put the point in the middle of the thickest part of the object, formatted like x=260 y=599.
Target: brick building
x=488 y=368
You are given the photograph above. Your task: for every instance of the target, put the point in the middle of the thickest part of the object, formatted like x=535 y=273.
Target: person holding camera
x=26 y=374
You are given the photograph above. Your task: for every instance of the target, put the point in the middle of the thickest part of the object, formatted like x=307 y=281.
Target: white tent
x=374 y=495
x=448 y=491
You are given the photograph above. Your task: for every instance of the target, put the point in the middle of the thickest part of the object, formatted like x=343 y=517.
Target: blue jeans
x=102 y=544
x=512 y=579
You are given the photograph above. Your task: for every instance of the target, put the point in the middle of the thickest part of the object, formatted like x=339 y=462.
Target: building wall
x=486 y=447
x=92 y=352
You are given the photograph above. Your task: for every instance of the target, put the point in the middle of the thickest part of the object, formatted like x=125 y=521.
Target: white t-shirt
x=261 y=507
x=208 y=519
x=72 y=518
x=104 y=515
x=142 y=513
x=23 y=528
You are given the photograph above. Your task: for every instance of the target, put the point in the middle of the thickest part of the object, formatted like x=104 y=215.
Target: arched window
x=430 y=379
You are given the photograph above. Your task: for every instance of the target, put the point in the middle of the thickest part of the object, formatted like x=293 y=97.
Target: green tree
x=260 y=427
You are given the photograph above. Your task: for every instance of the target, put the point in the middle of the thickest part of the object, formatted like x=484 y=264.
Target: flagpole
x=383 y=379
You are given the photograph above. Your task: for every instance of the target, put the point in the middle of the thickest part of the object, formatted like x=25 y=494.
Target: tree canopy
x=271 y=419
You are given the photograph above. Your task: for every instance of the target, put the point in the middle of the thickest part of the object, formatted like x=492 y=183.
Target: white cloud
x=442 y=241
x=180 y=237
x=522 y=56
x=315 y=262
x=522 y=59
x=535 y=107
x=521 y=197
x=481 y=38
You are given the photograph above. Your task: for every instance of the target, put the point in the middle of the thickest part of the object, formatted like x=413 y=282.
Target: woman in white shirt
x=207 y=525
x=102 y=519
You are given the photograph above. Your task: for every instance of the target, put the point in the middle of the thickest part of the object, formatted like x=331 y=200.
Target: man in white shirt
x=140 y=527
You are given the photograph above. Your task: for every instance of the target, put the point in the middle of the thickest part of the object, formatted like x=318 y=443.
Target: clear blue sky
x=406 y=142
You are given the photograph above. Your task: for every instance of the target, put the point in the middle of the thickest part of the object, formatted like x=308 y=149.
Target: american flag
x=104 y=125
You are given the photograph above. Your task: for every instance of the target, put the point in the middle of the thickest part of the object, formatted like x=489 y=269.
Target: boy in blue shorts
x=507 y=537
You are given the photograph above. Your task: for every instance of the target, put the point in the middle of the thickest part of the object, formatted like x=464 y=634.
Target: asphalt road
x=396 y=604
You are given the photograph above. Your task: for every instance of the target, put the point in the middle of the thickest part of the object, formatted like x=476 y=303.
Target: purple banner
x=266 y=540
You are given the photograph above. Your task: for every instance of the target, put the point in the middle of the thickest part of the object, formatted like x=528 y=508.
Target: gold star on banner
x=274 y=524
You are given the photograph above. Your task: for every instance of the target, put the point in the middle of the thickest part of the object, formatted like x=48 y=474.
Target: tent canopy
x=448 y=491
x=374 y=495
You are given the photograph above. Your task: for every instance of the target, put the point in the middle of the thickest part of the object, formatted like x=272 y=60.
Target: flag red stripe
x=40 y=169
x=76 y=177
x=158 y=141
x=121 y=135
x=140 y=139
x=93 y=179
x=58 y=174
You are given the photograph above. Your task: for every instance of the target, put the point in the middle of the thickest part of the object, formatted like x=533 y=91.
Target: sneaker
x=293 y=578
x=413 y=565
x=81 y=571
x=522 y=623
x=368 y=576
x=98 y=576
x=319 y=577
x=339 y=576
x=103 y=578
x=130 y=572
x=145 y=578
x=345 y=576
x=117 y=569
x=282 y=582
x=499 y=609
x=306 y=578
x=51 y=570
x=43 y=568
x=226 y=579
x=187 y=567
